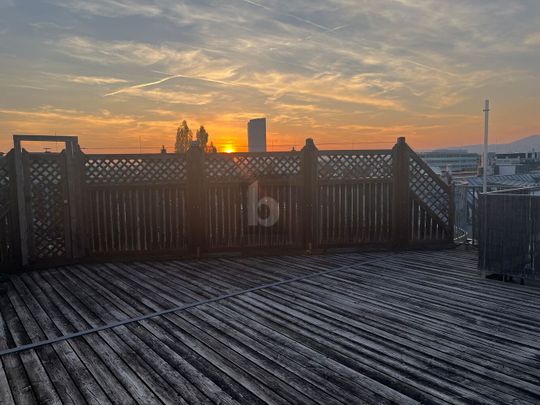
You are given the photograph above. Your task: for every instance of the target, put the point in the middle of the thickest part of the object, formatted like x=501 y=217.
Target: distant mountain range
x=526 y=144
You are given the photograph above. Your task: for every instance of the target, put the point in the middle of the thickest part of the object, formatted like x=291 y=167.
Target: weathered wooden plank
x=384 y=371
x=299 y=390
x=62 y=355
x=6 y=396
x=174 y=353
x=42 y=385
x=262 y=382
x=120 y=359
x=420 y=324
x=395 y=301
x=203 y=353
x=420 y=337
x=320 y=388
x=99 y=362
x=439 y=364
x=73 y=357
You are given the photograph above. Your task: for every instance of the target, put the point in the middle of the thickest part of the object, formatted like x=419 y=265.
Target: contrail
x=327 y=30
x=139 y=86
x=322 y=27
x=165 y=79
x=430 y=67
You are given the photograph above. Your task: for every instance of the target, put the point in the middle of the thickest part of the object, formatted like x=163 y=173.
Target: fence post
x=400 y=211
x=195 y=198
x=481 y=222
x=16 y=251
x=75 y=179
x=451 y=211
x=309 y=194
x=20 y=202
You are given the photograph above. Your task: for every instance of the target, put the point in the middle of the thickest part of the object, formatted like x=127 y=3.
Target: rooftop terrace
x=382 y=327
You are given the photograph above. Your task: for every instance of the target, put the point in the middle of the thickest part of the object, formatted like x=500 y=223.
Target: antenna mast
x=486 y=131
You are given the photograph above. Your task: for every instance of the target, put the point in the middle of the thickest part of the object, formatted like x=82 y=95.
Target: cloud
x=47 y=25
x=111 y=8
x=180 y=96
x=533 y=39
x=178 y=62
x=51 y=114
x=97 y=80
x=121 y=52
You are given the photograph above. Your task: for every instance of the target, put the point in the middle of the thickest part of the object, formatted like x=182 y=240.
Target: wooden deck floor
x=374 y=328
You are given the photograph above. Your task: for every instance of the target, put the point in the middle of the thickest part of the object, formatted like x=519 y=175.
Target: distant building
x=257 y=135
x=518 y=158
x=449 y=151
x=452 y=162
x=516 y=163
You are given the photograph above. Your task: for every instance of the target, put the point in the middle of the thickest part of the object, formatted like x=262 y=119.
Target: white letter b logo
x=254 y=204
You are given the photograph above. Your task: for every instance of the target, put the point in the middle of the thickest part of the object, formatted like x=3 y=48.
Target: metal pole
x=485 y=163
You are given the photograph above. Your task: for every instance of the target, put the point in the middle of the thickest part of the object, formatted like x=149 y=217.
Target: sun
x=229 y=149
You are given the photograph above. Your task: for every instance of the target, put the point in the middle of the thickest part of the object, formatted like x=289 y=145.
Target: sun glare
x=229 y=149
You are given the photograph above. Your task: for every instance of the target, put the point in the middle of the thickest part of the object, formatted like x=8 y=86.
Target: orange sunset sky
x=349 y=73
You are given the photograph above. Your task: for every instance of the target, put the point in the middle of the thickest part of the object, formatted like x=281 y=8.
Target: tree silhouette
x=202 y=137
x=184 y=136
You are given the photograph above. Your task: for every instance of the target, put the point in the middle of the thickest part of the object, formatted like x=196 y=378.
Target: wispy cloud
x=533 y=39
x=278 y=11
x=47 y=25
x=111 y=8
x=51 y=114
x=179 y=96
x=91 y=80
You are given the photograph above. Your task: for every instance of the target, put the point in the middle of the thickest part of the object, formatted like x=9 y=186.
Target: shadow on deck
x=342 y=328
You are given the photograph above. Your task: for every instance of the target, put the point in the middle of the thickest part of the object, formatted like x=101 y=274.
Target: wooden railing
x=7 y=231
x=134 y=203
x=85 y=205
x=431 y=202
x=509 y=233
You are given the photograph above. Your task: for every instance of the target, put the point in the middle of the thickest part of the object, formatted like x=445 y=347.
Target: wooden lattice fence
x=77 y=205
x=135 y=204
x=431 y=201
x=354 y=197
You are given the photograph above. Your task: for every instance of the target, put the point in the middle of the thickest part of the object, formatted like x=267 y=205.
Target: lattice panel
x=428 y=189
x=135 y=169
x=354 y=166
x=47 y=206
x=4 y=171
x=249 y=166
x=4 y=184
